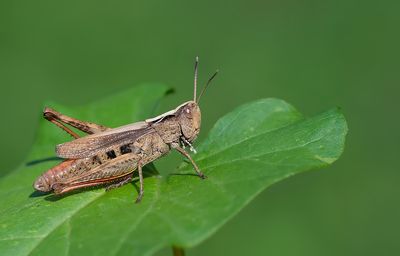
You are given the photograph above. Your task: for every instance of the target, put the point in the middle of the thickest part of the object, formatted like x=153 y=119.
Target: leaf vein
x=68 y=237
x=145 y=213
x=54 y=227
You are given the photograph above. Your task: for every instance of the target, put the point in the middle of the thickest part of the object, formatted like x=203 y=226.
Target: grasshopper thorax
x=189 y=118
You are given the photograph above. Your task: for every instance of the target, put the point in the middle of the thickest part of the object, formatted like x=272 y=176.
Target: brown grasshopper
x=109 y=156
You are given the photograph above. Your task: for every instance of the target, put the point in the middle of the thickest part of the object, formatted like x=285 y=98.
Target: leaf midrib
x=243 y=140
x=258 y=135
x=264 y=154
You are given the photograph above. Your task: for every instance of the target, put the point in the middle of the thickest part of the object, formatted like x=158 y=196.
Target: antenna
x=205 y=87
x=196 y=64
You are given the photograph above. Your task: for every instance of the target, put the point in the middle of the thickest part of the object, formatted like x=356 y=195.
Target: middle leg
x=141 y=190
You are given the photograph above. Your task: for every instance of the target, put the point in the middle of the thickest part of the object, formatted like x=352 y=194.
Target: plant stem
x=178 y=251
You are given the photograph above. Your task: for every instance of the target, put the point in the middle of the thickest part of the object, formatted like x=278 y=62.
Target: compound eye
x=188 y=111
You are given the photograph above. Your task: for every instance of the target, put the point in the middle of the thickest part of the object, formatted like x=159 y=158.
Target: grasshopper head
x=189 y=115
x=189 y=118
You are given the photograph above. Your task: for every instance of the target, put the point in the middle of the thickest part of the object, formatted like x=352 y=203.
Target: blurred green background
x=313 y=54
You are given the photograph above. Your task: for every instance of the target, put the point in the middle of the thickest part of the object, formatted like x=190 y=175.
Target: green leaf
x=249 y=149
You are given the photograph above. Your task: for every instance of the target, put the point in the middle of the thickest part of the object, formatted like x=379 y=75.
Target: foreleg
x=186 y=154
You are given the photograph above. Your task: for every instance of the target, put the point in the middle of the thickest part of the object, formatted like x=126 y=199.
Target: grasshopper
x=110 y=156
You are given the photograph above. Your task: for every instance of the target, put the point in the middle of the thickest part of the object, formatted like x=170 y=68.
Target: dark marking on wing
x=125 y=149
x=111 y=154
x=97 y=159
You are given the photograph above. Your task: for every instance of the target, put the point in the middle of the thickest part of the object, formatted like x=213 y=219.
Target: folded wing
x=102 y=142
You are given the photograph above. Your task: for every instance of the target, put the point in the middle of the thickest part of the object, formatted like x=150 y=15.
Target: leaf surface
x=249 y=149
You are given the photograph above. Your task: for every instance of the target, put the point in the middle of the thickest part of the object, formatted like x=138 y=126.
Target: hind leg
x=120 y=183
x=60 y=119
x=116 y=172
